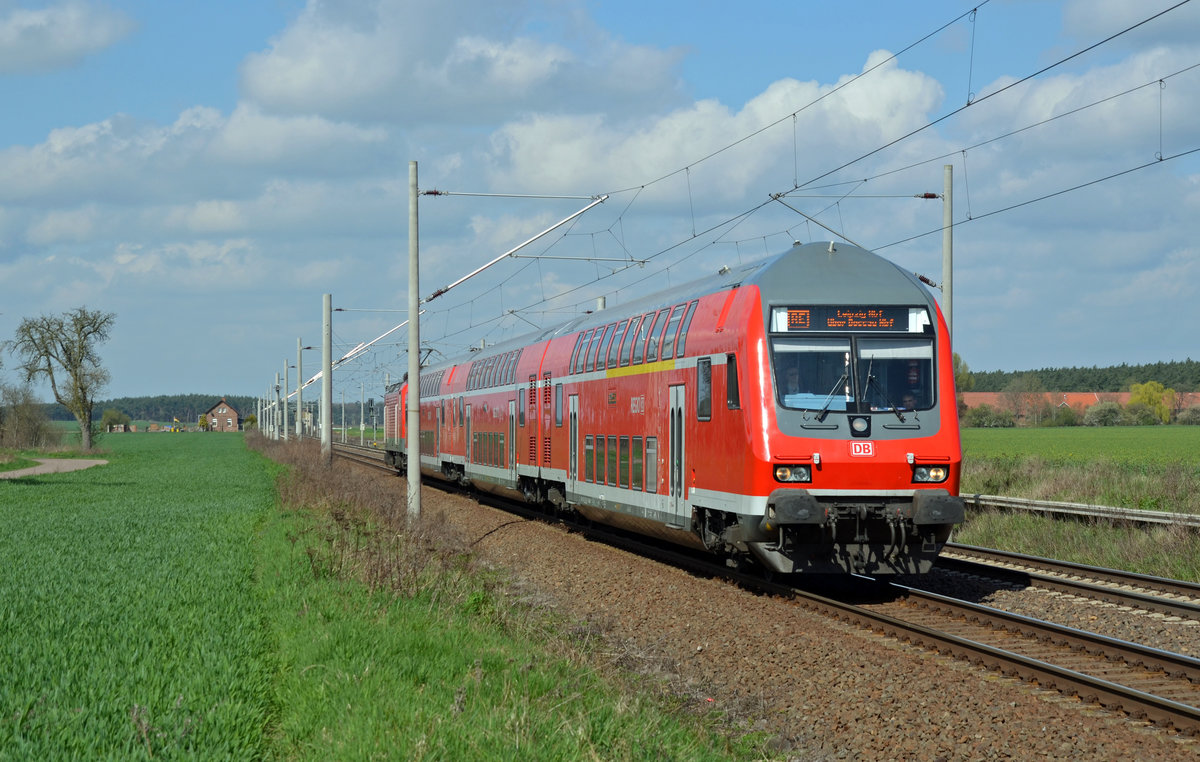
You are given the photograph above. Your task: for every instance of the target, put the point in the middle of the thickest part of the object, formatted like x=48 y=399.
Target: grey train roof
x=814 y=273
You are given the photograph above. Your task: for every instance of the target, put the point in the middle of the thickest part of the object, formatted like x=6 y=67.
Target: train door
x=573 y=467
x=467 y=448
x=512 y=440
x=676 y=451
x=437 y=432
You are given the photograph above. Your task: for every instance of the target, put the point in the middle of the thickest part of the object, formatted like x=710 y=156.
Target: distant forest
x=1180 y=376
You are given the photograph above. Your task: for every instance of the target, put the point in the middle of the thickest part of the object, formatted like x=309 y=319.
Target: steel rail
x=1108 y=585
x=1082 y=509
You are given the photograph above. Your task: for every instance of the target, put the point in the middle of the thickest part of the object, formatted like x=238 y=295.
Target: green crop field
x=128 y=619
x=1130 y=445
x=169 y=605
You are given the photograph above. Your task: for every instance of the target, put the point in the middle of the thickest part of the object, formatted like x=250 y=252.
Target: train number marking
x=637 y=405
x=862 y=449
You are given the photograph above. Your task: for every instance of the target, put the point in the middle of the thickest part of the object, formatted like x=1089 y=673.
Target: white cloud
x=56 y=37
x=454 y=62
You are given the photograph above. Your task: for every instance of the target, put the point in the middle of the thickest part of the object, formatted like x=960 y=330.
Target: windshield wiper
x=829 y=399
x=871 y=382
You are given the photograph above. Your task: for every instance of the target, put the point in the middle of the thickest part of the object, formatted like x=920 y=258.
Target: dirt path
x=53 y=466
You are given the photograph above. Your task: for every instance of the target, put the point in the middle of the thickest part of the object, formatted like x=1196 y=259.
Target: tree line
x=1182 y=376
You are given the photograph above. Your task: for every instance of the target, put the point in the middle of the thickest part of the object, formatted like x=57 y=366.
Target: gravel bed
x=1169 y=633
x=824 y=689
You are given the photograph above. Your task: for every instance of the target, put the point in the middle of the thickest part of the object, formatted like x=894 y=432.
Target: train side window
x=591 y=350
x=589 y=471
x=683 y=329
x=630 y=332
x=636 y=463
x=612 y=461
x=733 y=395
x=614 y=349
x=668 y=340
x=704 y=389
x=639 y=344
x=558 y=405
x=600 y=460
x=652 y=464
x=652 y=341
x=623 y=464
x=580 y=351
x=602 y=350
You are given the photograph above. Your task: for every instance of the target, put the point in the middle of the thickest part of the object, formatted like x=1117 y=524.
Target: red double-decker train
x=797 y=413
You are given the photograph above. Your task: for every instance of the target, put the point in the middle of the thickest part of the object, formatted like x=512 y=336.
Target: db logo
x=862 y=449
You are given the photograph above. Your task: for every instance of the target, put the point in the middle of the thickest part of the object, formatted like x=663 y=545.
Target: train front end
x=863 y=454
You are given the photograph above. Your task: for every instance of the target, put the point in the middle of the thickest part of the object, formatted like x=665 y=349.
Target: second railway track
x=1145 y=683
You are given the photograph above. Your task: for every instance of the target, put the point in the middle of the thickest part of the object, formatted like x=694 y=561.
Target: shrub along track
x=825 y=687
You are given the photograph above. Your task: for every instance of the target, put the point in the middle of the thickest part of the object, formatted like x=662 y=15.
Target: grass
x=1153 y=468
x=193 y=599
x=1148 y=468
x=398 y=644
x=129 y=625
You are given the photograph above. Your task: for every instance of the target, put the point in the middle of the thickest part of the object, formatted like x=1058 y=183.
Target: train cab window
x=636 y=464
x=896 y=374
x=683 y=329
x=520 y=407
x=639 y=344
x=733 y=395
x=558 y=406
x=652 y=464
x=630 y=332
x=581 y=352
x=812 y=373
x=614 y=349
x=612 y=461
x=704 y=389
x=589 y=471
x=652 y=340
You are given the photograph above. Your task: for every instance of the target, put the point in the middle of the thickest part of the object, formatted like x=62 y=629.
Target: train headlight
x=793 y=474
x=929 y=474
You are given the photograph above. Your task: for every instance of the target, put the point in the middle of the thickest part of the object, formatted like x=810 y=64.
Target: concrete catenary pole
x=413 y=409
x=327 y=380
x=286 y=382
x=948 y=249
x=299 y=390
x=362 y=410
x=275 y=416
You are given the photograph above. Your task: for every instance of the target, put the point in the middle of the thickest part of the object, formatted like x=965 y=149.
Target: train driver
x=792 y=380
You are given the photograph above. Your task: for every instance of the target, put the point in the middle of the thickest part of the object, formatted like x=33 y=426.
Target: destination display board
x=857 y=317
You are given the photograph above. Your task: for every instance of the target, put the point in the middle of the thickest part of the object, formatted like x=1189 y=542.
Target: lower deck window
x=589 y=470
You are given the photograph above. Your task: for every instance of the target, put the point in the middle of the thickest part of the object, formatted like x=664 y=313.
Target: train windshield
x=856 y=374
x=811 y=374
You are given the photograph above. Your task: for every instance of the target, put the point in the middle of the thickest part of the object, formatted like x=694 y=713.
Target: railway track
x=1166 y=596
x=1142 y=682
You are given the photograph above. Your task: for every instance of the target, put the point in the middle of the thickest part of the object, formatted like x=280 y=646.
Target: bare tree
x=63 y=349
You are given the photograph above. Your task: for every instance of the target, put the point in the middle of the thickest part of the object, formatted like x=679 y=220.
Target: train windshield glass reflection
x=857 y=375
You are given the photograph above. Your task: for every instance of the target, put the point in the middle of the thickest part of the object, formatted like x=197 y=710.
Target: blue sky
x=208 y=170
